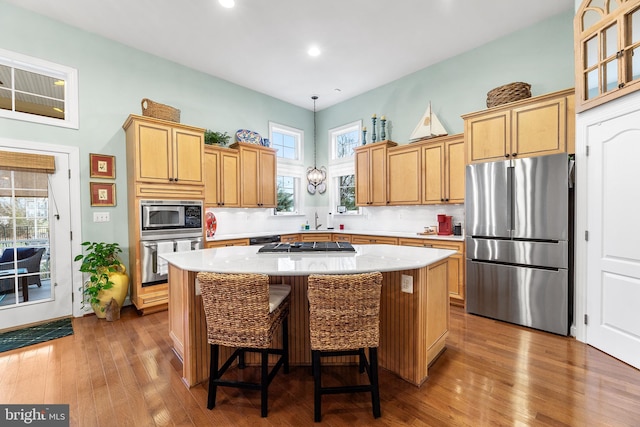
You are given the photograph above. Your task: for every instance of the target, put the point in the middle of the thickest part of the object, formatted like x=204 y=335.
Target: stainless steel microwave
x=169 y=217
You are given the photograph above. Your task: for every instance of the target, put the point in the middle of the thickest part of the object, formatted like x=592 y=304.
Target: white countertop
x=337 y=231
x=367 y=258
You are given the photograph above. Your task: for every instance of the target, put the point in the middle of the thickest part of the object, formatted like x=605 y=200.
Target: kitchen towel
x=162 y=266
x=183 y=245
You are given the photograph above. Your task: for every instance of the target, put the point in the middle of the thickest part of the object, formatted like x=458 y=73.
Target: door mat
x=35 y=334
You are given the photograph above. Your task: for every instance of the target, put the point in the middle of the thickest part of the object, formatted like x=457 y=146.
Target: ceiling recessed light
x=314 y=51
x=227 y=3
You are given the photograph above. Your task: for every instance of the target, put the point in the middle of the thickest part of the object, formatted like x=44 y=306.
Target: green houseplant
x=107 y=277
x=220 y=138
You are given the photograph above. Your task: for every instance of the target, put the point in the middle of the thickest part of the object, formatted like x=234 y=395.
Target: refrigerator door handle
x=510 y=199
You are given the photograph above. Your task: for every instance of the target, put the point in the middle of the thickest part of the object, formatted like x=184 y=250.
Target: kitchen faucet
x=317 y=225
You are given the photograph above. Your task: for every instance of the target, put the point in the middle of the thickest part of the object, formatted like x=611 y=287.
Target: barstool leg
x=373 y=377
x=264 y=383
x=285 y=344
x=317 y=396
x=213 y=375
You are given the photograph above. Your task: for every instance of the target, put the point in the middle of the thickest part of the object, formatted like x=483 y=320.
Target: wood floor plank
x=124 y=374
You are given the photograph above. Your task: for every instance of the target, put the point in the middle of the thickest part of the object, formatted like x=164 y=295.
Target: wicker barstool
x=344 y=313
x=243 y=311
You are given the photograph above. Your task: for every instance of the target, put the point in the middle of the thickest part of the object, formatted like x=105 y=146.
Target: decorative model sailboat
x=428 y=127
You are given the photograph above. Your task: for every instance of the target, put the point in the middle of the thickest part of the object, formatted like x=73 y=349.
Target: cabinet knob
x=175 y=179
x=442 y=200
x=514 y=154
x=446 y=200
x=621 y=85
x=171 y=179
x=507 y=155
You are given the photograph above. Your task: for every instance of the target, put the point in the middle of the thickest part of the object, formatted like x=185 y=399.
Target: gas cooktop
x=308 y=247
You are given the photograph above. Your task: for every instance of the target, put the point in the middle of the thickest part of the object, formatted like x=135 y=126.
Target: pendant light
x=315 y=176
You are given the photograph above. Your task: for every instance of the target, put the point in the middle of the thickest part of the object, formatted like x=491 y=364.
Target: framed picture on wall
x=102 y=166
x=103 y=194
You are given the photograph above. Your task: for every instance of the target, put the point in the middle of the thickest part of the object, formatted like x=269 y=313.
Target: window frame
x=334 y=132
x=50 y=69
x=290 y=167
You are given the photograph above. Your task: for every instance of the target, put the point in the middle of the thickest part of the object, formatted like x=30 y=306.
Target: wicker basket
x=160 y=111
x=508 y=93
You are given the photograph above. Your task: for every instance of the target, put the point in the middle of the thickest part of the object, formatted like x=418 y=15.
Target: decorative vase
x=118 y=292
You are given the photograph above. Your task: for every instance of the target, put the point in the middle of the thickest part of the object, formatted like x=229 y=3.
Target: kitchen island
x=414 y=309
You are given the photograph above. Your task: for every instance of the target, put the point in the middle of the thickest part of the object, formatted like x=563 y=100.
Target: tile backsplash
x=392 y=218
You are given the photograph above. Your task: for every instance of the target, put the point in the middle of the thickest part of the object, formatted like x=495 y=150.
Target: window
x=287 y=141
x=347 y=193
x=286 y=194
x=38 y=91
x=344 y=139
x=289 y=144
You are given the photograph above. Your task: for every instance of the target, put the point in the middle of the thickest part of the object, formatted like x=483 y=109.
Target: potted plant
x=219 y=138
x=107 y=277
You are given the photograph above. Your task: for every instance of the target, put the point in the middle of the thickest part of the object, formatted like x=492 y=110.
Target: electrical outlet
x=407 y=284
x=101 y=217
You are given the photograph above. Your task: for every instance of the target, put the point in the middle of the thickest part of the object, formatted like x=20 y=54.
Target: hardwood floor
x=124 y=373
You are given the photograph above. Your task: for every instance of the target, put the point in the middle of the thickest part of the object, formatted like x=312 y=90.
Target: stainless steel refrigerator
x=517 y=241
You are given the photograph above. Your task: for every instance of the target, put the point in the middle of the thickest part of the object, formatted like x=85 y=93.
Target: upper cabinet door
x=154 y=147
x=539 y=129
x=188 y=155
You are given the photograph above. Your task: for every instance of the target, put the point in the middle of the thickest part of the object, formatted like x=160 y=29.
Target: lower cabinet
x=315 y=237
x=290 y=238
x=224 y=243
x=363 y=239
x=456 y=264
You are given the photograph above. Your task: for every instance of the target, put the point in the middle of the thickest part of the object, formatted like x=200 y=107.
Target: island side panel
x=438 y=310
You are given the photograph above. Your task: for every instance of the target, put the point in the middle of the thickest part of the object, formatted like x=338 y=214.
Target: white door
x=613 y=247
x=35 y=215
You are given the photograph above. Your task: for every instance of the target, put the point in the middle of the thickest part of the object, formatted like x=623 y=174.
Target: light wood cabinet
x=527 y=128
x=164 y=159
x=257 y=175
x=339 y=237
x=290 y=238
x=315 y=237
x=404 y=174
x=427 y=172
x=371 y=173
x=456 y=264
x=225 y=243
x=363 y=239
x=222 y=177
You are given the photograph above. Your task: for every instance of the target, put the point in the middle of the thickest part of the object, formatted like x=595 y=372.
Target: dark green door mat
x=35 y=334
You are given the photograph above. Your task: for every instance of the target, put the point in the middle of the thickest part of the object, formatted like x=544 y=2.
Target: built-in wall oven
x=167 y=226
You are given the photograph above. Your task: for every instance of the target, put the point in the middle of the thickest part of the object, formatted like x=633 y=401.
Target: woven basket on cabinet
x=160 y=111
x=508 y=93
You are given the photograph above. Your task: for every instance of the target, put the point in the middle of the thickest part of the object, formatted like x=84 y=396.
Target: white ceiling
x=262 y=44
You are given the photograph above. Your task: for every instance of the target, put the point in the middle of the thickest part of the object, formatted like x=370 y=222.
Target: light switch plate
x=407 y=284
x=101 y=217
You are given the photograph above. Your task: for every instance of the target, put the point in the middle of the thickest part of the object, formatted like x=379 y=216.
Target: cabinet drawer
x=315 y=237
x=290 y=238
x=341 y=237
x=224 y=243
x=371 y=240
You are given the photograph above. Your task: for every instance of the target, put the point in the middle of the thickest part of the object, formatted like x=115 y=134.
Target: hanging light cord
x=314 y=97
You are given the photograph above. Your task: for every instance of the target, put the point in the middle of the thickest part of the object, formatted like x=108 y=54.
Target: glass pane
x=286 y=193
x=345 y=143
x=592 y=84
x=346 y=191
x=591 y=52
x=611 y=76
x=589 y=19
x=613 y=5
x=597 y=3
x=610 y=41
x=39 y=84
x=5 y=99
x=634 y=23
x=635 y=63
